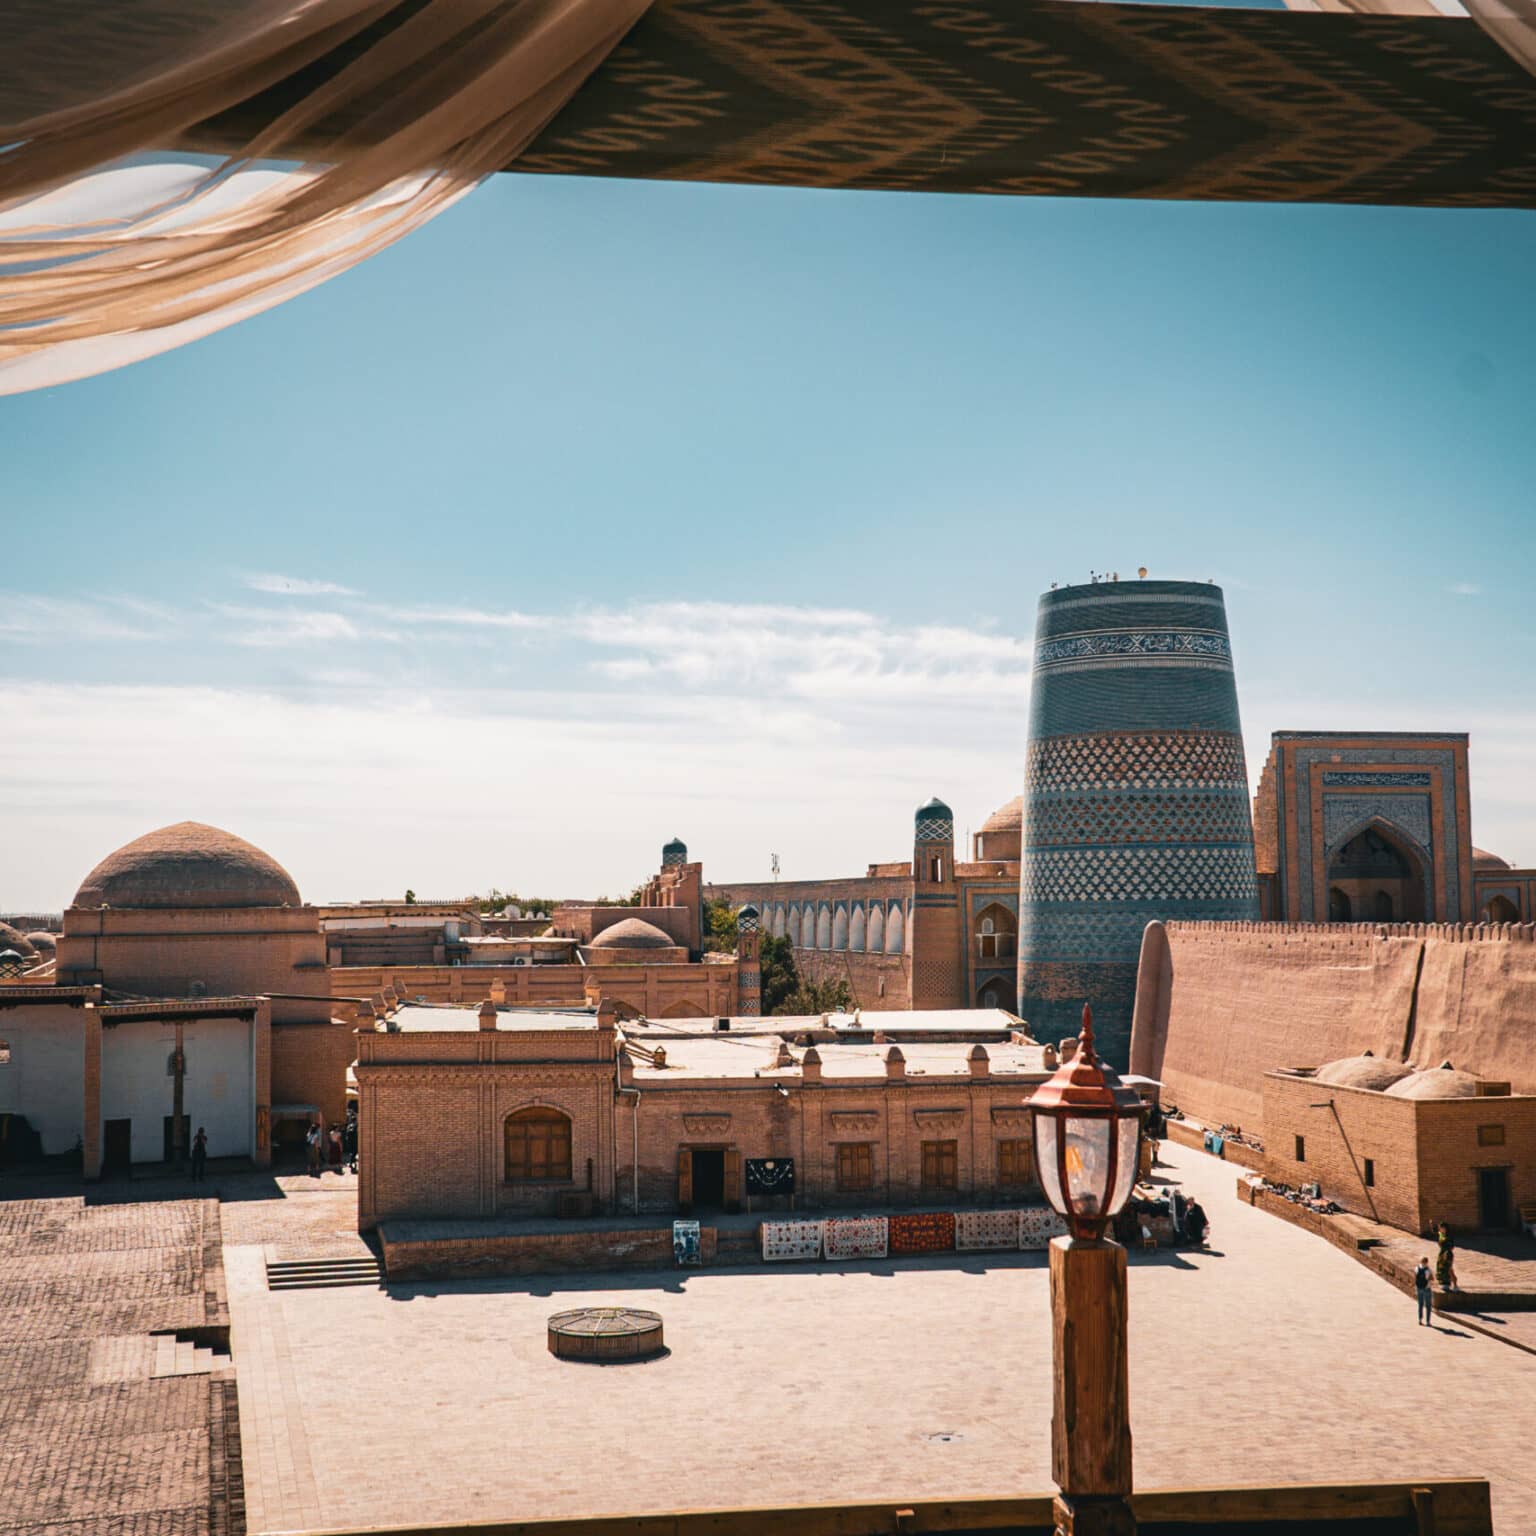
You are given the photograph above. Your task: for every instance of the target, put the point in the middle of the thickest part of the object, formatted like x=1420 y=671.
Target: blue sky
x=600 y=511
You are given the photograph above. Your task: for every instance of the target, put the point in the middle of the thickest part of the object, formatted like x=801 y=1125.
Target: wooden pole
x=1091 y=1419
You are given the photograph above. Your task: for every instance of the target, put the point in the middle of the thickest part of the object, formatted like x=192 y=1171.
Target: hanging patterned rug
x=857 y=1237
x=976 y=1230
x=923 y=1232
x=791 y=1240
x=1038 y=1224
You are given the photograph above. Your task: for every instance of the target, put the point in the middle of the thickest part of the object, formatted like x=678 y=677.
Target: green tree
x=830 y=994
x=410 y=898
x=719 y=926
x=780 y=980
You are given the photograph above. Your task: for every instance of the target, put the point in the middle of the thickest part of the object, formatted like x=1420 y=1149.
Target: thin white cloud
x=297 y=586
x=1465 y=589
x=265 y=628
x=26 y=619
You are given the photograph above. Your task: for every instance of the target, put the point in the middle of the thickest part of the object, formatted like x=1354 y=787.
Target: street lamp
x=1087 y=1127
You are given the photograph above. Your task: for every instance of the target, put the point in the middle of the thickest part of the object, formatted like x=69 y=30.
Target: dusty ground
x=1273 y=1357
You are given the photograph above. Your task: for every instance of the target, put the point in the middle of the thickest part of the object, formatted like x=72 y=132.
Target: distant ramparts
x=1220 y=1004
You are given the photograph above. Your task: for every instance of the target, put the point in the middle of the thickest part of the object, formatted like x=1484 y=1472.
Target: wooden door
x=732 y=1178
x=685 y=1178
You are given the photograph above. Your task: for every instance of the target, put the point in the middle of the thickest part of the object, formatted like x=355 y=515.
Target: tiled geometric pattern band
x=1217 y=816
x=1166 y=877
x=1137 y=761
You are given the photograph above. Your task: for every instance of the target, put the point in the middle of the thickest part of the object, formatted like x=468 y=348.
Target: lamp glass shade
x=1086 y=1165
x=1046 y=1160
x=1126 y=1160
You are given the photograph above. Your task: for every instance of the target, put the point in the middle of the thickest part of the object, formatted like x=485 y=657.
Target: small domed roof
x=1365 y=1071
x=11 y=939
x=1482 y=859
x=935 y=810
x=188 y=865
x=1006 y=818
x=633 y=933
x=677 y=845
x=43 y=942
x=1442 y=1082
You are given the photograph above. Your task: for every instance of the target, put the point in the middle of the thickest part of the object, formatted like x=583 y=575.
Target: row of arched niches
x=874 y=927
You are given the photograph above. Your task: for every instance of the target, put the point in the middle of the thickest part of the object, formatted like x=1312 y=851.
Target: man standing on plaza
x=199 y=1155
x=1422 y=1277
x=312 y=1143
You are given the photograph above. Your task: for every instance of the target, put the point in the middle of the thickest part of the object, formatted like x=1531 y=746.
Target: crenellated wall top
x=1352 y=933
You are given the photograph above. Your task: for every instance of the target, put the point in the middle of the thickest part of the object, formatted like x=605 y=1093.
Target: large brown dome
x=188 y=865
x=1365 y=1071
x=1442 y=1082
x=1482 y=859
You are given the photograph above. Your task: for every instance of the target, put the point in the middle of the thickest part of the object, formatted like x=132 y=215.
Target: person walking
x=199 y=1155
x=349 y=1142
x=312 y=1146
x=1422 y=1277
x=333 y=1149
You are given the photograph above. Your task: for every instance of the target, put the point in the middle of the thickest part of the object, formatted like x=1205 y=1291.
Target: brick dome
x=1482 y=859
x=1442 y=1082
x=633 y=933
x=43 y=942
x=188 y=865
x=11 y=939
x=1006 y=818
x=1365 y=1071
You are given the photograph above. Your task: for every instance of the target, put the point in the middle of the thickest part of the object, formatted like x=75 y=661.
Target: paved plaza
x=1275 y=1357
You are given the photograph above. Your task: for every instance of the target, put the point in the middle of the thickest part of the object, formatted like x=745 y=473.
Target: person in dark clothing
x=349 y=1142
x=199 y=1155
x=1195 y=1224
x=1423 y=1277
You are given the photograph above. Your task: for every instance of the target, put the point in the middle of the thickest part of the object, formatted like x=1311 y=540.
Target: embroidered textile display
x=975 y=1230
x=685 y=1242
x=926 y=1232
x=857 y=1237
x=1038 y=1224
x=770 y=1175
x=791 y=1239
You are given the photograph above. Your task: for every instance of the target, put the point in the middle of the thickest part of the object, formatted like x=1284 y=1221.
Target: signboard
x=770 y=1175
x=685 y=1242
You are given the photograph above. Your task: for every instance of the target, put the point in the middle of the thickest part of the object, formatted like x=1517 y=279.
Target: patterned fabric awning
x=1055 y=97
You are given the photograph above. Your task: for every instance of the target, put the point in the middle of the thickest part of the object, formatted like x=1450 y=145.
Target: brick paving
x=90 y=1444
x=1275 y=1357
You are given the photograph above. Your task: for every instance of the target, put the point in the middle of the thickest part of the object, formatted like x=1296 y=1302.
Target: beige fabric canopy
x=105 y=259
x=344 y=124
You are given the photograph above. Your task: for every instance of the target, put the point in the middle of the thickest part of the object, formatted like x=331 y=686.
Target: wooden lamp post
x=1087 y=1126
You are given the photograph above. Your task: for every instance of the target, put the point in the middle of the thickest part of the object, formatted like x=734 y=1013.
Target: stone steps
x=177 y=1356
x=314 y=1274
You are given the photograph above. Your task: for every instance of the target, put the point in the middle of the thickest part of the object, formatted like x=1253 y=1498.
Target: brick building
x=645 y=960
x=488 y=1112
x=1403 y=1147
x=929 y=932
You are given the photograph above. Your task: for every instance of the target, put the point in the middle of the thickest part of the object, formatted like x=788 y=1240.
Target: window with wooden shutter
x=538 y=1146
x=856 y=1165
x=941 y=1164
x=1015 y=1163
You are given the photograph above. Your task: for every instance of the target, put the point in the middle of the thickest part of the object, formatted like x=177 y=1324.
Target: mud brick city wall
x=1220 y=1004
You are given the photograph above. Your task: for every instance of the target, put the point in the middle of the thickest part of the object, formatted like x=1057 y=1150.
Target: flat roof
x=450 y=1018
x=754 y=1056
x=938 y=1021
